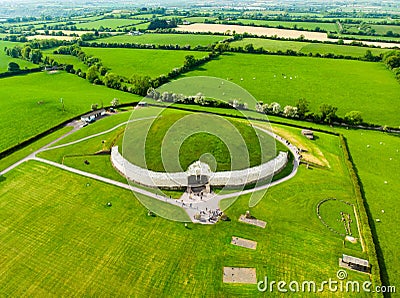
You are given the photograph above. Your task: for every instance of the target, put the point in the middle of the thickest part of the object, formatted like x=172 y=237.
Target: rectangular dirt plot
x=244 y=242
x=252 y=221
x=240 y=275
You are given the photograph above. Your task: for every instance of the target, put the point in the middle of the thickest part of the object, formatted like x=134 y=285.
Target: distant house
x=135 y=33
x=91 y=117
x=308 y=134
x=142 y=104
x=354 y=263
x=52 y=68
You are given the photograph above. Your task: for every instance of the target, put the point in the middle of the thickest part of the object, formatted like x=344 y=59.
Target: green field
x=379 y=29
x=342 y=83
x=107 y=23
x=125 y=247
x=5 y=59
x=141 y=62
x=367 y=37
x=306 y=47
x=199 y=19
x=66 y=59
x=23 y=117
x=376 y=164
x=165 y=39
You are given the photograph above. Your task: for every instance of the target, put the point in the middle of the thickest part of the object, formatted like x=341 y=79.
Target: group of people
x=211 y=215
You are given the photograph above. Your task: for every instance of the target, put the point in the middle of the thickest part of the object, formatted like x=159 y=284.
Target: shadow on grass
x=2 y=179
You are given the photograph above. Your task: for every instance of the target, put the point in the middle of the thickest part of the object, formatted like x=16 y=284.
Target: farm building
x=308 y=134
x=135 y=33
x=93 y=115
x=354 y=263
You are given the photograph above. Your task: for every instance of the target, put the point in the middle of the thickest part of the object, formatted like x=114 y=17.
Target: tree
x=25 y=52
x=112 y=80
x=290 y=111
x=142 y=84
x=92 y=74
x=259 y=107
x=69 y=68
x=115 y=102
x=12 y=66
x=353 y=117
x=275 y=107
x=35 y=56
x=190 y=61
x=328 y=113
x=392 y=59
x=249 y=48
x=302 y=106
x=221 y=47
x=94 y=106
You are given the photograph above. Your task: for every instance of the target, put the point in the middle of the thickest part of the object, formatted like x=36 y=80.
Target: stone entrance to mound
x=198 y=178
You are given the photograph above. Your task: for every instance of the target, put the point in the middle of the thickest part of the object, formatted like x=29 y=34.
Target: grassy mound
x=177 y=139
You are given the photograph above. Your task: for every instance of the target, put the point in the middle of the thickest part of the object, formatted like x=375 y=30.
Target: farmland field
x=329 y=27
x=342 y=83
x=377 y=158
x=164 y=39
x=293 y=236
x=107 y=23
x=44 y=107
x=306 y=47
x=66 y=59
x=141 y=62
x=5 y=59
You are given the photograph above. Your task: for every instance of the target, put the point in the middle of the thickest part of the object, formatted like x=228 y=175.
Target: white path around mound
x=191 y=208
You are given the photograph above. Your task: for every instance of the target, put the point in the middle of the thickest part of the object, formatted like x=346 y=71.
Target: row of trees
x=26 y=53
x=163 y=24
x=392 y=61
x=99 y=74
x=249 y=48
x=327 y=112
x=198 y=99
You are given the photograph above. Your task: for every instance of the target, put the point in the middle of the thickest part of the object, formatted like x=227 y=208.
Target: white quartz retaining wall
x=179 y=180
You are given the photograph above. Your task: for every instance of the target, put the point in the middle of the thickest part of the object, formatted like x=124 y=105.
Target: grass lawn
x=199 y=19
x=177 y=139
x=164 y=39
x=68 y=223
x=22 y=153
x=78 y=95
x=376 y=164
x=141 y=62
x=5 y=59
x=306 y=47
x=106 y=23
x=66 y=59
x=349 y=85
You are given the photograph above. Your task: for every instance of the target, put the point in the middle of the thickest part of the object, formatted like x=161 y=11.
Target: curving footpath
x=192 y=208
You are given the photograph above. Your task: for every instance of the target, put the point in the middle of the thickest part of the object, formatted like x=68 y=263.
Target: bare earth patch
x=240 y=275
x=252 y=221
x=246 y=243
x=264 y=31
